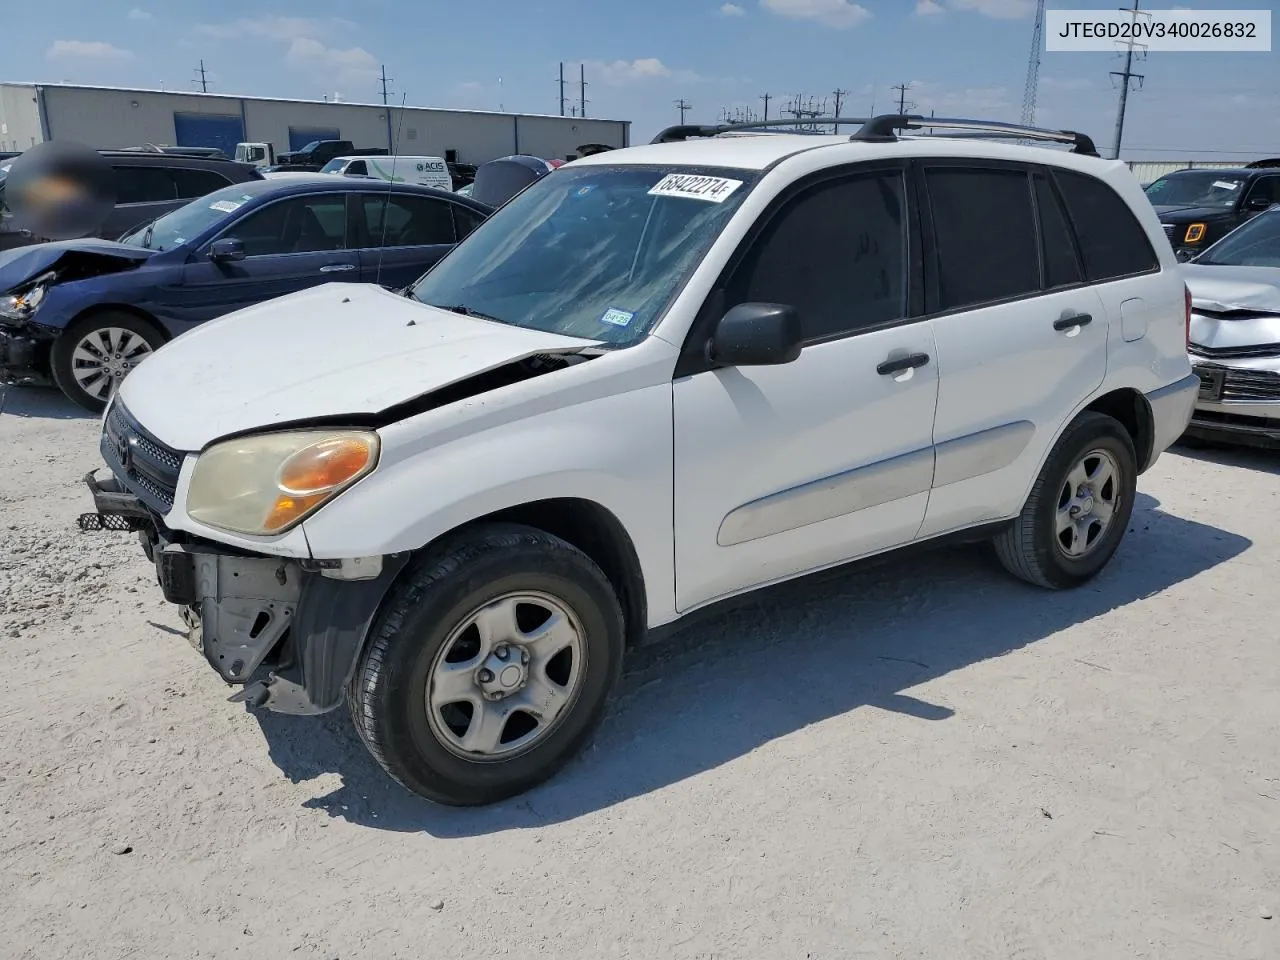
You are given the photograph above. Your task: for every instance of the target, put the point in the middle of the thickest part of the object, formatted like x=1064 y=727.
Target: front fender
x=615 y=451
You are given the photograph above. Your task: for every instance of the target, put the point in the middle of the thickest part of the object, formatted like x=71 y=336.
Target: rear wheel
x=489 y=666
x=91 y=358
x=1079 y=508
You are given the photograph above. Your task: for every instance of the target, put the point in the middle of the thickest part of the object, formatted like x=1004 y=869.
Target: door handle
x=337 y=268
x=1072 y=320
x=897 y=365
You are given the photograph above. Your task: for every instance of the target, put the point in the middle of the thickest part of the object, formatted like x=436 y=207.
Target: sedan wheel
x=101 y=359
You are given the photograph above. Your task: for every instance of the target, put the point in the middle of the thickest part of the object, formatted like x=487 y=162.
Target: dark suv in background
x=148 y=185
x=1199 y=207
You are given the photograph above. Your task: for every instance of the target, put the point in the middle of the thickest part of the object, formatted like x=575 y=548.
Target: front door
x=789 y=468
x=289 y=245
x=402 y=235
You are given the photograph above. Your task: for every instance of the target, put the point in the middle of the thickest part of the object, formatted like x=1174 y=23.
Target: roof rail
x=688 y=131
x=884 y=128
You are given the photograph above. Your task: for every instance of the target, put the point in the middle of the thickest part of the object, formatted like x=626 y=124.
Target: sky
x=958 y=58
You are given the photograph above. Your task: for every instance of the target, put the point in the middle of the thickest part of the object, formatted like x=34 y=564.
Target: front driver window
x=296 y=225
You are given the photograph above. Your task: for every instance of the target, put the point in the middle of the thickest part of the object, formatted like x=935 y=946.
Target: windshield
x=333 y=166
x=592 y=252
x=1207 y=189
x=310 y=146
x=186 y=223
x=1256 y=244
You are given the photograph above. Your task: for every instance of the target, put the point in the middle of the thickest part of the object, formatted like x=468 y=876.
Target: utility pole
x=839 y=95
x=1031 y=90
x=386 y=110
x=582 y=80
x=204 y=80
x=902 y=89
x=683 y=106
x=1125 y=76
x=766 y=98
x=562 y=88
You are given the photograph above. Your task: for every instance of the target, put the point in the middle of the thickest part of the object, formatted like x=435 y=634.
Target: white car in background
x=663 y=377
x=424 y=171
x=1234 y=339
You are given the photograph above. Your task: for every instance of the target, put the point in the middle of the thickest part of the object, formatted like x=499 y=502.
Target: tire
x=67 y=360
x=414 y=646
x=1033 y=548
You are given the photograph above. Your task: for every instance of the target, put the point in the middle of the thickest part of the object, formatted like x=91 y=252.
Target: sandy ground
x=922 y=759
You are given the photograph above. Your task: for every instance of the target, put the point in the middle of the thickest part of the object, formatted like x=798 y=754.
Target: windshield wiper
x=466 y=311
x=146 y=236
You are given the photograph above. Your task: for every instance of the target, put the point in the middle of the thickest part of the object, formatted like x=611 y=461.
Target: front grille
x=1250 y=386
x=1168 y=230
x=1258 y=351
x=144 y=465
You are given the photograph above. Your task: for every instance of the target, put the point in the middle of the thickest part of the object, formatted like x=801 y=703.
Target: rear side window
x=985 y=233
x=409 y=221
x=837 y=253
x=1061 y=266
x=357 y=168
x=1112 y=241
x=465 y=220
x=197 y=183
x=144 y=185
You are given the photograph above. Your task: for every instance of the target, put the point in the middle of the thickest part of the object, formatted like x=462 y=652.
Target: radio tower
x=1033 y=69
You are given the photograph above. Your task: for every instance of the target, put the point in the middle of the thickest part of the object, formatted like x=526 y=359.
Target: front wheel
x=489 y=666
x=91 y=358
x=1079 y=508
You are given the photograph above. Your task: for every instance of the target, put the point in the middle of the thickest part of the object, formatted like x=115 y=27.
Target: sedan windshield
x=1256 y=244
x=593 y=252
x=1195 y=189
x=188 y=222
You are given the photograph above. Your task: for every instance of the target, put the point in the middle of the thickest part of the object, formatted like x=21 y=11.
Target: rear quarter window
x=1112 y=242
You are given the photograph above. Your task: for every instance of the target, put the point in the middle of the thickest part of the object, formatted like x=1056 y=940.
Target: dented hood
x=1226 y=289
x=26 y=263
x=336 y=350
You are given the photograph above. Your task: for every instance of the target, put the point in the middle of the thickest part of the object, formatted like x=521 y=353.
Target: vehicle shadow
x=1248 y=458
x=47 y=403
x=790 y=656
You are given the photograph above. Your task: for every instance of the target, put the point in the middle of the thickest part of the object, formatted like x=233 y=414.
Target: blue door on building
x=299 y=137
x=208 y=130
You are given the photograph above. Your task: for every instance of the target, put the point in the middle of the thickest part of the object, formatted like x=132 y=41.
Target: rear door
x=401 y=235
x=290 y=245
x=1021 y=336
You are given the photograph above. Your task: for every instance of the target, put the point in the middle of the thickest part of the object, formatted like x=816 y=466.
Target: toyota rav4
x=656 y=379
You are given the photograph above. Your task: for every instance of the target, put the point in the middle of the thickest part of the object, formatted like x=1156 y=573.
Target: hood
x=1223 y=289
x=1177 y=214
x=86 y=256
x=337 y=350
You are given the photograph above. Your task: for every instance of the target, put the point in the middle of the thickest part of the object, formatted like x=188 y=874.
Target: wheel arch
x=597 y=532
x=1132 y=410
x=137 y=313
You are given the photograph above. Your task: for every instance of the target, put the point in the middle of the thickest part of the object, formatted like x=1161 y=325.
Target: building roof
x=332 y=103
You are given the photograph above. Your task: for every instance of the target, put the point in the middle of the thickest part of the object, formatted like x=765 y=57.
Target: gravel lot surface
x=922 y=758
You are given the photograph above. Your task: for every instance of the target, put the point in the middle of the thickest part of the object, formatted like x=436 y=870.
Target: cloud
x=946 y=101
x=833 y=13
x=929 y=8
x=138 y=13
x=86 y=49
x=353 y=62
x=284 y=29
x=618 y=73
x=997 y=9
x=731 y=10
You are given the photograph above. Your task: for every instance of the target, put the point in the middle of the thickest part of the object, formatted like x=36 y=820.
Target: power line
x=903 y=105
x=684 y=106
x=1126 y=77
x=204 y=80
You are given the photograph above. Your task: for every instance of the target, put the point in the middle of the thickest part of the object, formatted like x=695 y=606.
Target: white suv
x=658 y=378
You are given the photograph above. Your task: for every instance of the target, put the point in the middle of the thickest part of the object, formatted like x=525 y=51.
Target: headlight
x=20 y=306
x=265 y=484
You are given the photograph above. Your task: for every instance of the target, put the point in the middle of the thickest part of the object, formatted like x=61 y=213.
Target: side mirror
x=1258 y=203
x=226 y=250
x=1183 y=255
x=756 y=335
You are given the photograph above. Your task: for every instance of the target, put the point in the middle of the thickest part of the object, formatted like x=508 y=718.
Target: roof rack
x=884 y=128
x=688 y=131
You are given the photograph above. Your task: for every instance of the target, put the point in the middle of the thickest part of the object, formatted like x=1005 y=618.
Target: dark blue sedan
x=82 y=313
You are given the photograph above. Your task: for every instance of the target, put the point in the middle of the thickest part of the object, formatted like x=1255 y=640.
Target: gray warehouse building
x=112 y=117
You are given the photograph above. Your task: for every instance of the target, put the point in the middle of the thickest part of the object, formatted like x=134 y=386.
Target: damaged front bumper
x=289 y=630
x=24 y=354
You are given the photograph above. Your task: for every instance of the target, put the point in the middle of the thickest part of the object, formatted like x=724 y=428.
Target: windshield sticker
x=225 y=206
x=693 y=187
x=1226 y=184
x=617 y=318
x=583 y=191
